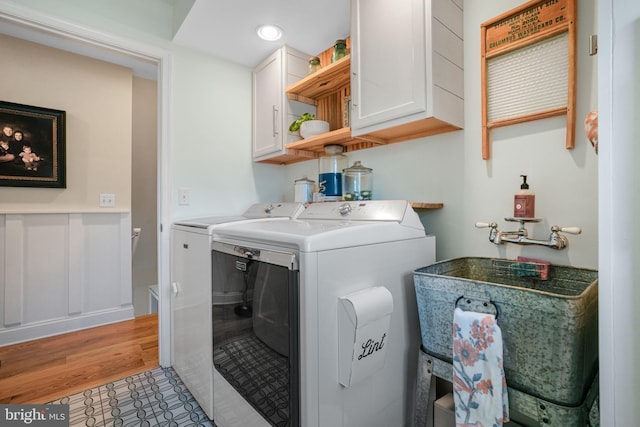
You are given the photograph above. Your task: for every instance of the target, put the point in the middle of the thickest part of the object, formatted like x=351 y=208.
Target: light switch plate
x=183 y=196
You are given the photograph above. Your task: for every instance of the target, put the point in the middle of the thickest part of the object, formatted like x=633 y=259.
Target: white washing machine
x=333 y=335
x=193 y=295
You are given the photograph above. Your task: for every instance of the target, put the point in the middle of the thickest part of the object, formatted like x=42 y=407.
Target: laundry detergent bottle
x=330 y=173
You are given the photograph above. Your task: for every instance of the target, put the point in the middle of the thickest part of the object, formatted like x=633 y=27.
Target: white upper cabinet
x=406 y=67
x=272 y=110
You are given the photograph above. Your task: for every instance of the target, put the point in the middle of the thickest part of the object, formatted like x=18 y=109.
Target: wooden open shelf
x=292 y=156
x=417 y=129
x=326 y=89
x=322 y=83
x=339 y=136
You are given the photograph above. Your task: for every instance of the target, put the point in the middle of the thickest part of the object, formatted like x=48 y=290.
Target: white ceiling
x=227 y=28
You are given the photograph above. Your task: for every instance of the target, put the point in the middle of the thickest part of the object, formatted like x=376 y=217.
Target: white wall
x=97 y=99
x=144 y=191
x=211 y=153
x=564 y=181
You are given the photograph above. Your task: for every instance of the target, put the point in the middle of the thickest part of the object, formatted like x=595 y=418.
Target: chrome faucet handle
x=570 y=230
x=486 y=225
x=494 y=234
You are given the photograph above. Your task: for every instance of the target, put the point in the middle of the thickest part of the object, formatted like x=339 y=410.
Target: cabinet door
x=388 y=62
x=191 y=328
x=267 y=106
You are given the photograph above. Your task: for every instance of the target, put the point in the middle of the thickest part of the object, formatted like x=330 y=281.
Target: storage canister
x=314 y=65
x=303 y=190
x=330 y=172
x=339 y=50
x=357 y=182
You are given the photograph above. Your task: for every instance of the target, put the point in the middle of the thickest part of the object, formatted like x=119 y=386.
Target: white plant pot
x=311 y=128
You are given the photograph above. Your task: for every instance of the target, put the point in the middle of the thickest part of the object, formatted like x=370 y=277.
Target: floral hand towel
x=479 y=385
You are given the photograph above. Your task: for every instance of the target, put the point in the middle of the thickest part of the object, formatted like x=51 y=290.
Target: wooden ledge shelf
x=421 y=205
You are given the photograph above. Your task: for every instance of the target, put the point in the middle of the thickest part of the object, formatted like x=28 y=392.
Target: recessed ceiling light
x=269 y=32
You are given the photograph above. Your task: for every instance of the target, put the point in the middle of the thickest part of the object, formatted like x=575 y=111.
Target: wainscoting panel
x=62 y=272
x=44 y=264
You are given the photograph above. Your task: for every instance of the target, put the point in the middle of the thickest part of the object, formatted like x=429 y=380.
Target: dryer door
x=255 y=341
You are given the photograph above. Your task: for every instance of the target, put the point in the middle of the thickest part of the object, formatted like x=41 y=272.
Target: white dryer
x=333 y=337
x=192 y=295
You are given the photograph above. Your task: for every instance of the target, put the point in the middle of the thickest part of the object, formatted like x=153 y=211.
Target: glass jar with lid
x=358 y=182
x=339 y=50
x=303 y=190
x=330 y=172
x=314 y=65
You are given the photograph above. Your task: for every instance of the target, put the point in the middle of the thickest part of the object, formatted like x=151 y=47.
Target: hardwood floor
x=42 y=370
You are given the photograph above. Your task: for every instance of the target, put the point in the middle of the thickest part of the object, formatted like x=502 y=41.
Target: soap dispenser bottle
x=524 y=203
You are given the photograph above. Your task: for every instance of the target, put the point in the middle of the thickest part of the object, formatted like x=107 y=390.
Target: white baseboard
x=23 y=333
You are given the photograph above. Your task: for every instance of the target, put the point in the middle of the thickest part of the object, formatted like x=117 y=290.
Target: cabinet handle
x=176 y=288
x=354 y=106
x=275 y=121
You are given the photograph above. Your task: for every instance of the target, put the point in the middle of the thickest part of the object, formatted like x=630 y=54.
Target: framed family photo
x=32 y=146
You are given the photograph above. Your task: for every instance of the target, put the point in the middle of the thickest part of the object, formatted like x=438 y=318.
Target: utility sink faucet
x=556 y=239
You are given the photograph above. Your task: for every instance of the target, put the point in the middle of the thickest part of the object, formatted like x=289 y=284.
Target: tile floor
x=152 y=398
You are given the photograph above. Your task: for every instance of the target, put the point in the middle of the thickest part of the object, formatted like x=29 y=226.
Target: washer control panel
x=364 y=210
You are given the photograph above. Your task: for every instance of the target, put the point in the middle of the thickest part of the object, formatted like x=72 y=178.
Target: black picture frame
x=32 y=146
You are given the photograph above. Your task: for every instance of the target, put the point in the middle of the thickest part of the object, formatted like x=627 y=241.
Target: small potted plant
x=309 y=126
x=295 y=126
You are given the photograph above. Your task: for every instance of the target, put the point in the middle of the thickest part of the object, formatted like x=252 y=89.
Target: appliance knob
x=344 y=209
x=269 y=208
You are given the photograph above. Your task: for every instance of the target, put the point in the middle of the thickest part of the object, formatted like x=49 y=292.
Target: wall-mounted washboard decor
x=529 y=66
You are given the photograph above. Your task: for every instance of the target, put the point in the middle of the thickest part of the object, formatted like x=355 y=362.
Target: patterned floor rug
x=152 y=398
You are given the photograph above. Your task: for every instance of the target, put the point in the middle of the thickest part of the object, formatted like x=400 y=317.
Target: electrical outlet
x=183 y=196
x=107 y=200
